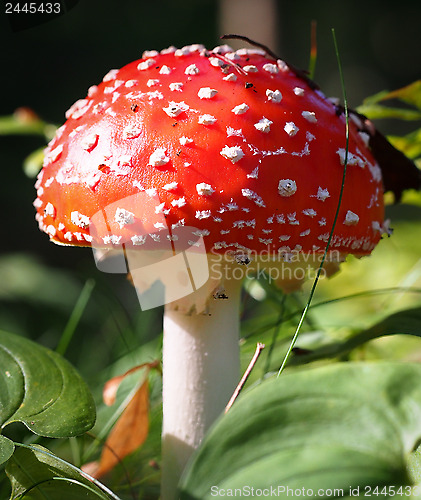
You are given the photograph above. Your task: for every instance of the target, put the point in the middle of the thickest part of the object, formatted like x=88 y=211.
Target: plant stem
x=246 y=375
x=201 y=367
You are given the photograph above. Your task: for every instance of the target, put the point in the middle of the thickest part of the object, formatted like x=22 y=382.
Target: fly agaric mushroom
x=243 y=148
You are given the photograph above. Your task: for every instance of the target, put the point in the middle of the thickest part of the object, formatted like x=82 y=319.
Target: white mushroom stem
x=201 y=368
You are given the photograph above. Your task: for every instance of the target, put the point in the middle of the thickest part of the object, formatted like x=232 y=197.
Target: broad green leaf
x=339 y=426
x=42 y=390
x=36 y=474
x=6 y=449
x=406 y=322
x=414 y=465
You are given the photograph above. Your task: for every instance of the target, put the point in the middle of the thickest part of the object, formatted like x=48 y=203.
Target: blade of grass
x=75 y=450
x=275 y=335
x=313 y=50
x=74 y=319
x=316 y=279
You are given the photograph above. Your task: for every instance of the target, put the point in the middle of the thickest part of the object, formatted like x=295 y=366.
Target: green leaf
x=42 y=390
x=36 y=474
x=409 y=144
x=406 y=322
x=32 y=164
x=411 y=94
x=376 y=112
x=6 y=449
x=339 y=426
x=374 y=99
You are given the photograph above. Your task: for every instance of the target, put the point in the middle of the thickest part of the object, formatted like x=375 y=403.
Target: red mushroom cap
x=234 y=144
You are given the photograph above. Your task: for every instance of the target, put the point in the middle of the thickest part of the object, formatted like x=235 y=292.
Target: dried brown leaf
x=129 y=433
x=109 y=392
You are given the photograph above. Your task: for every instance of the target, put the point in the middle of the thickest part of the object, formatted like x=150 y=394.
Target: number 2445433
x=32 y=8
